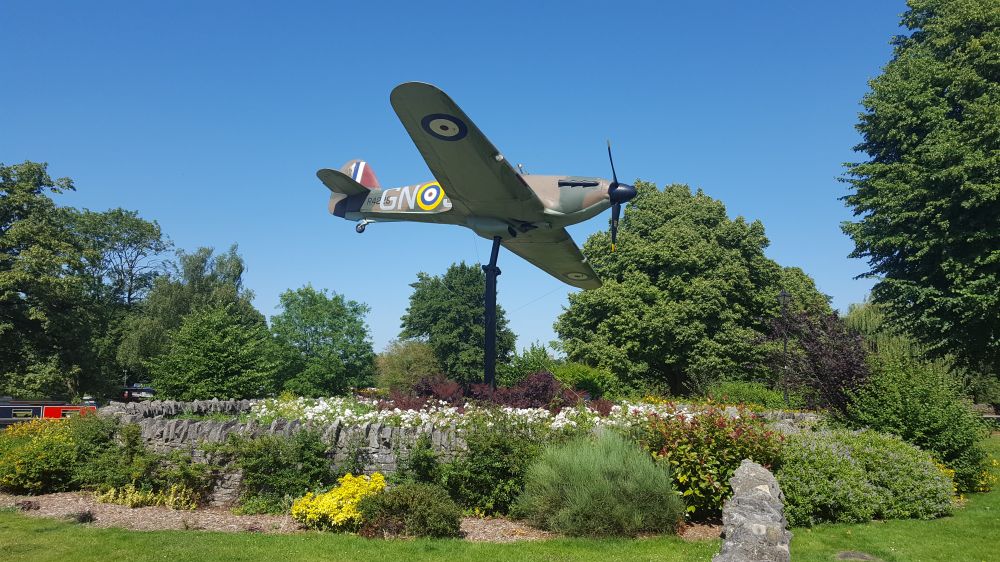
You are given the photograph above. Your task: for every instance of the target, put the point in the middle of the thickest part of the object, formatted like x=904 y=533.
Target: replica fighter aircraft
x=476 y=187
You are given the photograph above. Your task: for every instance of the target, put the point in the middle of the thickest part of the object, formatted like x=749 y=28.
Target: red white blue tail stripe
x=362 y=173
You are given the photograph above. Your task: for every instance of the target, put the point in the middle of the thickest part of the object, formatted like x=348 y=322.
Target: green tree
x=333 y=350
x=44 y=308
x=125 y=252
x=404 y=362
x=218 y=352
x=122 y=257
x=889 y=343
x=67 y=280
x=528 y=362
x=447 y=311
x=928 y=197
x=686 y=297
x=195 y=280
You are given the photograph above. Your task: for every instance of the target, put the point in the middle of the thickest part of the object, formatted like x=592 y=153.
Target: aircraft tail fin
x=361 y=172
x=354 y=178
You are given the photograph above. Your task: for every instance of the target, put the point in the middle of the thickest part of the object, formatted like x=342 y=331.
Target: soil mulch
x=69 y=505
x=496 y=529
x=74 y=505
x=701 y=531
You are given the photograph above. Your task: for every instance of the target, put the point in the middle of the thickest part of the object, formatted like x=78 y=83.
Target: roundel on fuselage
x=429 y=196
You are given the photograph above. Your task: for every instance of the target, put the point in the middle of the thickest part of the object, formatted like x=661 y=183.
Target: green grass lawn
x=28 y=538
x=972 y=534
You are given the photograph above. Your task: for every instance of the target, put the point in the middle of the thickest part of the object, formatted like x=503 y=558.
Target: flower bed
x=355 y=411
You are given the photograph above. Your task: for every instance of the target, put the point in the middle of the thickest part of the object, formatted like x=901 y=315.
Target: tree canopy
x=447 y=311
x=218 y=352
x=686 y=296
x=197 y=279
x=332 y=348
x=404 y=363
x=927 y=199
x=67 y=280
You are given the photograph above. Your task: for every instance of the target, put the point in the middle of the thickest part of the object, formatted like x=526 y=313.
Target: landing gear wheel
x=360 y=228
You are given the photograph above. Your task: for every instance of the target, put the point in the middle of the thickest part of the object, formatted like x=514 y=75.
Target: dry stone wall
x=166 y=408
x=379 y=447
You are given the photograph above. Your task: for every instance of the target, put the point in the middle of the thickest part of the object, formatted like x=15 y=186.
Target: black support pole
x=490 y=359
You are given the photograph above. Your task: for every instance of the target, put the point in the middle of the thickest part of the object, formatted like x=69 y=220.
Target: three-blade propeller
x=618 y=193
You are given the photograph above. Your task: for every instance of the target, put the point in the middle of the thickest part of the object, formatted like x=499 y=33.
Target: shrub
x=910 y=483
x=175 y=497
x=596 y=382
x=413 y=509
x=37 y=457
x=337 y=509
x=540 y=390
x=749 y=393
x=607 y=487
x=404 y=363
x=112 y=456
x=921 y=404
x=826 y=358
x=489 y=475
x=420 y=464
x=850 y=477
x=822 y=481
x=278 y=469
x=521 y=365
x=439 y=387
x=92 y=452
x=704 y=449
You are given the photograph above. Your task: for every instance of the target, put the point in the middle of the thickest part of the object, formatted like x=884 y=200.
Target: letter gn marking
x=429 y=196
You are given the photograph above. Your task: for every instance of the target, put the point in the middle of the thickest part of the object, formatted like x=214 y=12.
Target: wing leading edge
x=554 y=252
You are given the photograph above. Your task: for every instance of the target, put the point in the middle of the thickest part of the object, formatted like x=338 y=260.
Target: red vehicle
x=13 y=411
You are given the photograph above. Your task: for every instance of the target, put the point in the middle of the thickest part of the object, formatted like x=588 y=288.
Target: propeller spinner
x=618 y=193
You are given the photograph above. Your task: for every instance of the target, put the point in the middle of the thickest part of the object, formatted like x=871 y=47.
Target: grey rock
x=753 y=520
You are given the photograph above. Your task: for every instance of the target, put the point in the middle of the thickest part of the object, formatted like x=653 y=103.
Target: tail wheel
x=360 y=228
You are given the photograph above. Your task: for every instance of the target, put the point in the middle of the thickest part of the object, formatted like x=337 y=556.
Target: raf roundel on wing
x=444 y=127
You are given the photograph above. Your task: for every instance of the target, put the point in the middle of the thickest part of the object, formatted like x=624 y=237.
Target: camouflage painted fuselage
x=567 y=200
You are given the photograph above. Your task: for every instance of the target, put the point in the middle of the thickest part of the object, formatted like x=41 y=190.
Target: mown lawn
x=28 y=538
x=972 y=534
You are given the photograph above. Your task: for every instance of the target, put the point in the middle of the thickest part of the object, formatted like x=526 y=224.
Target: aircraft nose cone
x=621 y=193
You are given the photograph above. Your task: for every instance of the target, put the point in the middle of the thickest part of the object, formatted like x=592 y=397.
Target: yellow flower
x=337 y=509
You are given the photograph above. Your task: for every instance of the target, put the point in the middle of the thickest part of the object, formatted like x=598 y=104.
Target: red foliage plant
x=440 y=388
x=540 y=390
x=601 y=406
x=704 y=448
x=403 y=401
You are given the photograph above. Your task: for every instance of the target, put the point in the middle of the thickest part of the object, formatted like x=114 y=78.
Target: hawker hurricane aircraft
x=476 y=187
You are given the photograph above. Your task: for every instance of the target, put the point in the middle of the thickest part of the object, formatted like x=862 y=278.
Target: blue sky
x=212 y=118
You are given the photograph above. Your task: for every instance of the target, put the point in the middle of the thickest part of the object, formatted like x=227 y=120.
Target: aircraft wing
x=462 y=159
x=554 y=252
